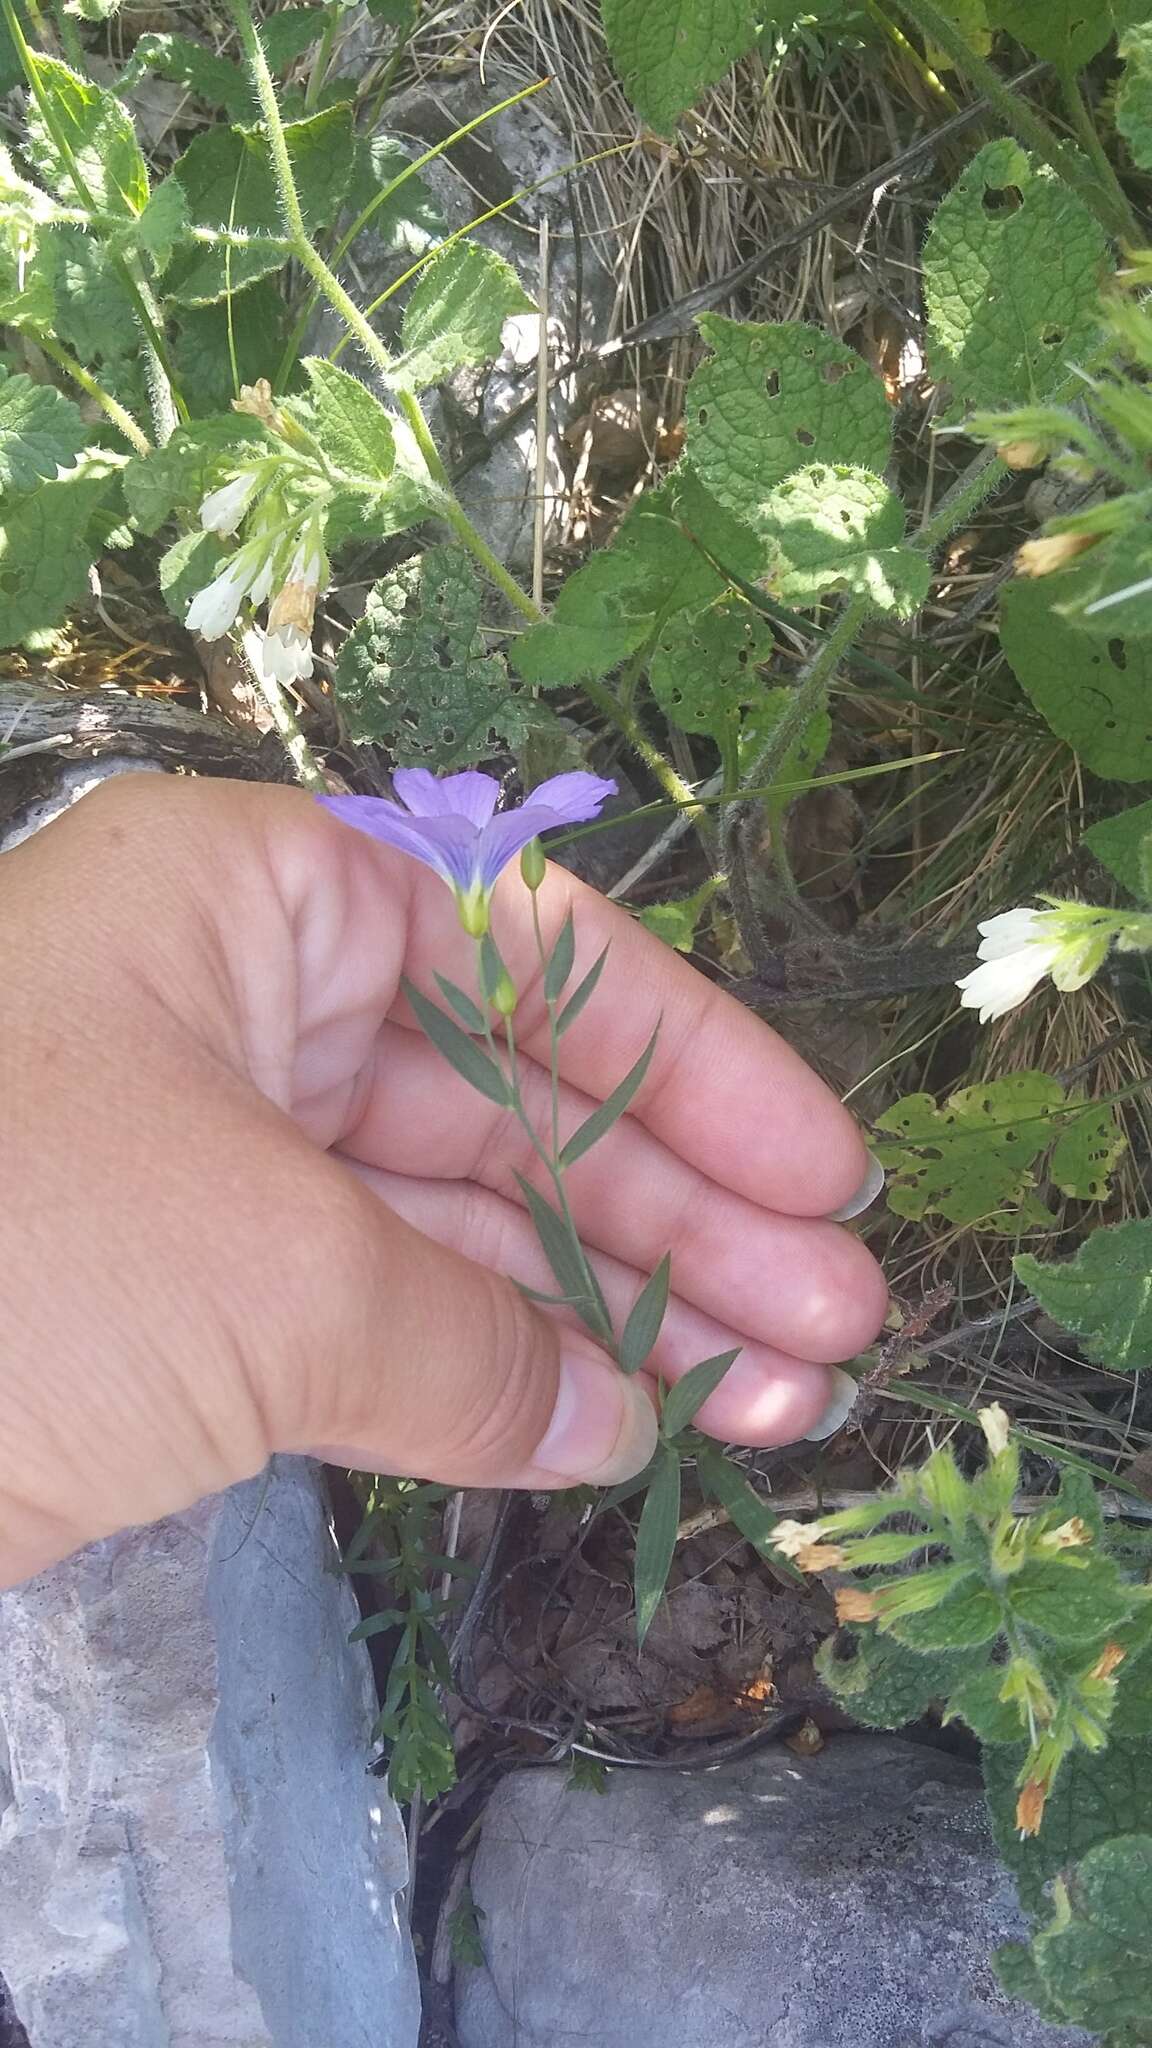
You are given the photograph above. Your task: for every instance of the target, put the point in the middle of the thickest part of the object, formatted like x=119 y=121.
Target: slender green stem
x=116 y=413
x=553 y=1007
x=1084 y=129
x=452 y=511
x=323 y=57
x=810 y=692
x=1018 y=116
x=627 y=723
x=978 y=481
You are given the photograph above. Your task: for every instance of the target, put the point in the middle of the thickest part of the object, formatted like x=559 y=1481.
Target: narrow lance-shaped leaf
x=656 y=1539
x=747 y=1512
x=573 y=1007
x=574 y=1277
x=469 y=1013
x=609 y=1112
x=647 y=1318
x=560 y=962
x=458 y=1049
x=689 y=1394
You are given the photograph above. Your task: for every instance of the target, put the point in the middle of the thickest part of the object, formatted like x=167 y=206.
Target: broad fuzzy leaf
x=226 y=178
x=1134 y=96
x=414 y=674
x=252 y=324
x=351 y=425
x=1066 y=32
x=668 y=51
x=100 y=140
x=1071 y=1602
x=705 y=667
x=840 y=528
x=1013 y=269
x=41 y=431
x=48 y=542
x=410 y=220
x=1096 y=694
x=178 y=476
x=95 y=311
x=774 y=399
x=1124 y=844
x=881 y=1683
x=456 y=314
x=677 y=922
x=1104 y=1294
x=973 y=1159
x=1093 y=1959
x=656 y=1538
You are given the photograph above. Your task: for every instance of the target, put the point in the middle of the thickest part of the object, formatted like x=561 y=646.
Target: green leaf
x=456 y=314
x=47 y=546
x=1066 y=32
x=286 y=32
x=576 y=1002
x=1123 y=843
x=573 y=1275
x=705 y=667
x=774 y=399
x=840 y=528
x=965 y=1618
x=351 y=425
x=95 y=311
x=668 y=51
x=747 y=1511
x=976 y=1701
x=414 y=675
x=96 y=134
x=656 y=1539
x=1104 y=1294
x=1134 y=94
x=163 y=224
x=41 y=431
x=677 y=922
x=473 y=1065
x=560 y=961
x=1093 y=1959
x=971 y=1159
x=611 y=1110
x=189 y=564
x=802 y=758
x=226 y=177
x=683 y=1401
x=1085 y=1153
x=881 y=1683
x=215 y=80
x=253 y=324
x=470 y=1014
x=646 y=1319
x=1095 y=694
x=1075 y=1598
x=1014 y=264
x=175 y=478
x=410 y=221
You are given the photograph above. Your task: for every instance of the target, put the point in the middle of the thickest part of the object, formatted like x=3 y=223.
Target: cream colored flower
x=1020 y=947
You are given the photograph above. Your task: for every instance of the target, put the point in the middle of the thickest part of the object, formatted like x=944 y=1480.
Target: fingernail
x=865 y=1194
x=603 y=1427
x=841 y=1403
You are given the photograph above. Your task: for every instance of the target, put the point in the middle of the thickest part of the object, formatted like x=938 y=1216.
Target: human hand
x=249 y=1209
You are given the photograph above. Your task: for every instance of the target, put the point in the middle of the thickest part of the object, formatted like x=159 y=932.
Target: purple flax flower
x=450 y=823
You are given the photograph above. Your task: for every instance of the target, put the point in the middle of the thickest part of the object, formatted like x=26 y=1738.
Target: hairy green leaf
x=1013 y=268
x=774 y=399
x=456 y=314
x=226 y=177
x=611 y=1109
x=95 y=310
x=41 y=431
x=461 y=1052
x=881 y=1683
x=1124 y=844
x=162 y=225
x=252 y=325
x=683 y=1401
x=656 y=1538
x=175 y=478
x=1093 y=1959
x=1095 y=694
x=351 y=425
x=215 y=80
x=677 y=922
x=668 y=51
x=1104 y=1294
x=187 y=566
x=976 y=1701
x=646 y=1319
x=973 y=1158
x=1074 y=1601
x=705 y=667
x=90 y=137
x=840 y=528
x=409 y=221
x=48 y=542
x=1134 y=95
x=1067 y=32
x=966 y=1617
x=414 y=674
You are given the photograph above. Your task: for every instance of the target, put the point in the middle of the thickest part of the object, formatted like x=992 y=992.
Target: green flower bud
x=533 y=865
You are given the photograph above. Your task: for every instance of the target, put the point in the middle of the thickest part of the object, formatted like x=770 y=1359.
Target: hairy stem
x=1084 y=129
x=116 y=413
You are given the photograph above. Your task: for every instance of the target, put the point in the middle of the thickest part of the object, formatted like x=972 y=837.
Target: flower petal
x=448 y=845
x=469 y=795
x=999 y=985
x=1009 y=931
x=572 y=798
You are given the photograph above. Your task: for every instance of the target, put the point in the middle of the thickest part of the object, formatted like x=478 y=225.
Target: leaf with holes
x=1068 y=33
x=1096 y=694
x=880 y=1682
x=414 y=675
x=705 y=667
x=456 y=314
x=92 y=131
x=1104 y=1294
x=840 y=528
x=1124 y=844
x=1085 y=1153
x=973 y=1159
x=226 y=177
x=41 y=431
x=774 y=399
x=668 y=51
x=1014 y=264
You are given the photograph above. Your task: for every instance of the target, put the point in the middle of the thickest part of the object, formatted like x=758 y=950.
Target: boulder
x=192 y=1853
x=846 y=1900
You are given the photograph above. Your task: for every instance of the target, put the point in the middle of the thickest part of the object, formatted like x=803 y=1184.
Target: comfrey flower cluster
x=1069 y=941
x=278 y=497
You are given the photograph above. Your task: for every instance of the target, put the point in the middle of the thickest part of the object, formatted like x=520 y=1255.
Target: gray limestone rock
x=847 y=1900
x=191 y=1852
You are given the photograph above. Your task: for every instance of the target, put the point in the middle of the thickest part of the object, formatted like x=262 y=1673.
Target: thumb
x=435 y=1367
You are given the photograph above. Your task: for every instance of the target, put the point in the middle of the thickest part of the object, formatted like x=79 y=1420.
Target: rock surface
x=191 y=1852
x=848 y=1900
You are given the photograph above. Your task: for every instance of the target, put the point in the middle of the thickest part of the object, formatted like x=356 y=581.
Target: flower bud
x=503 y=997
x=533 y=865
x=1052 y=551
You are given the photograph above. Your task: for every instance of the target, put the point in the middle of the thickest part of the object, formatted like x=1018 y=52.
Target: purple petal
x=572 y=798
x=447 y=845
x=469 y=795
